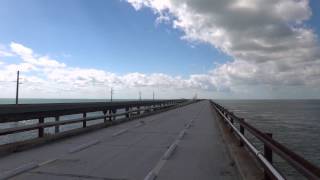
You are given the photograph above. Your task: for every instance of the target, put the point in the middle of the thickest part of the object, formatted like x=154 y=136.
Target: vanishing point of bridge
x=186 y=140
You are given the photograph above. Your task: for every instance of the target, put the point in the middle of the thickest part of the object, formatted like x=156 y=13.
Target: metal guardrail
x=303 y=166
x=16 y=113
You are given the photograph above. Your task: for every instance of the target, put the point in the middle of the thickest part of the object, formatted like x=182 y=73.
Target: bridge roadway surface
x=137 y=150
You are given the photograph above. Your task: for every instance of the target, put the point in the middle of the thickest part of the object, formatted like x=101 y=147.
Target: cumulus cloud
x=41 y=74
x=267 y=39
x=28 y=56
x=5 y=54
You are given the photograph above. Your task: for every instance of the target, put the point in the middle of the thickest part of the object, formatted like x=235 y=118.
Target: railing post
x=242 y=132
x=268 y=156
x=105 y=113
x=138 y=112
x=84 y=122
x=56 y=128
x=41 y=129
x=114 y=111
x=110 y=115
x=231 y=120
x=127 y=115
x=146 y=109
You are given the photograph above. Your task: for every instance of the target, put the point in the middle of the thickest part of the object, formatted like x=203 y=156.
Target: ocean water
x=294 y=123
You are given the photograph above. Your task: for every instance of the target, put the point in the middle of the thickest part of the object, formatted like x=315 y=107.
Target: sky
x=221 y=49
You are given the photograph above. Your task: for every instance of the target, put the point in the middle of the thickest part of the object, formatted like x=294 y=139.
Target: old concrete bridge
x=171 y=139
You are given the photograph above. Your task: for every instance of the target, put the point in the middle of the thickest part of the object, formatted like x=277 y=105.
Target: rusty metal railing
x=303 y=166
x=39 y=113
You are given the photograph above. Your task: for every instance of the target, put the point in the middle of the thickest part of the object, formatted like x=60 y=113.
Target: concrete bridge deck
x=183 y=143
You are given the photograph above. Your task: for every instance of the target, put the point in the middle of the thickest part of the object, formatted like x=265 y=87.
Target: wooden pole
x=17 y=88
x=111 y=95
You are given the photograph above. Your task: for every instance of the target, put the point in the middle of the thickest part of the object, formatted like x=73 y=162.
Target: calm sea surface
x=294 y=123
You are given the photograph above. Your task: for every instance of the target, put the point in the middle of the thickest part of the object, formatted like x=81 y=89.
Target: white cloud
x=273 y=53
x=42 y=76
x=296 y=11
x=28 y=56
x=266 y=38
x=20 y=49
x=23 y=67
x=5 y=54
x=42 y=79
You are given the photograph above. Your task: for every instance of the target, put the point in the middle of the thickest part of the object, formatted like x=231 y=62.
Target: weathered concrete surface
x=202 y=153
x=183 y=143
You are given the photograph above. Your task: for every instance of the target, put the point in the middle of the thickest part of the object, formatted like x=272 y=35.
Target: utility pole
x=17 y=89
x=153 y=95
x=111 y=95
x=140 y=95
